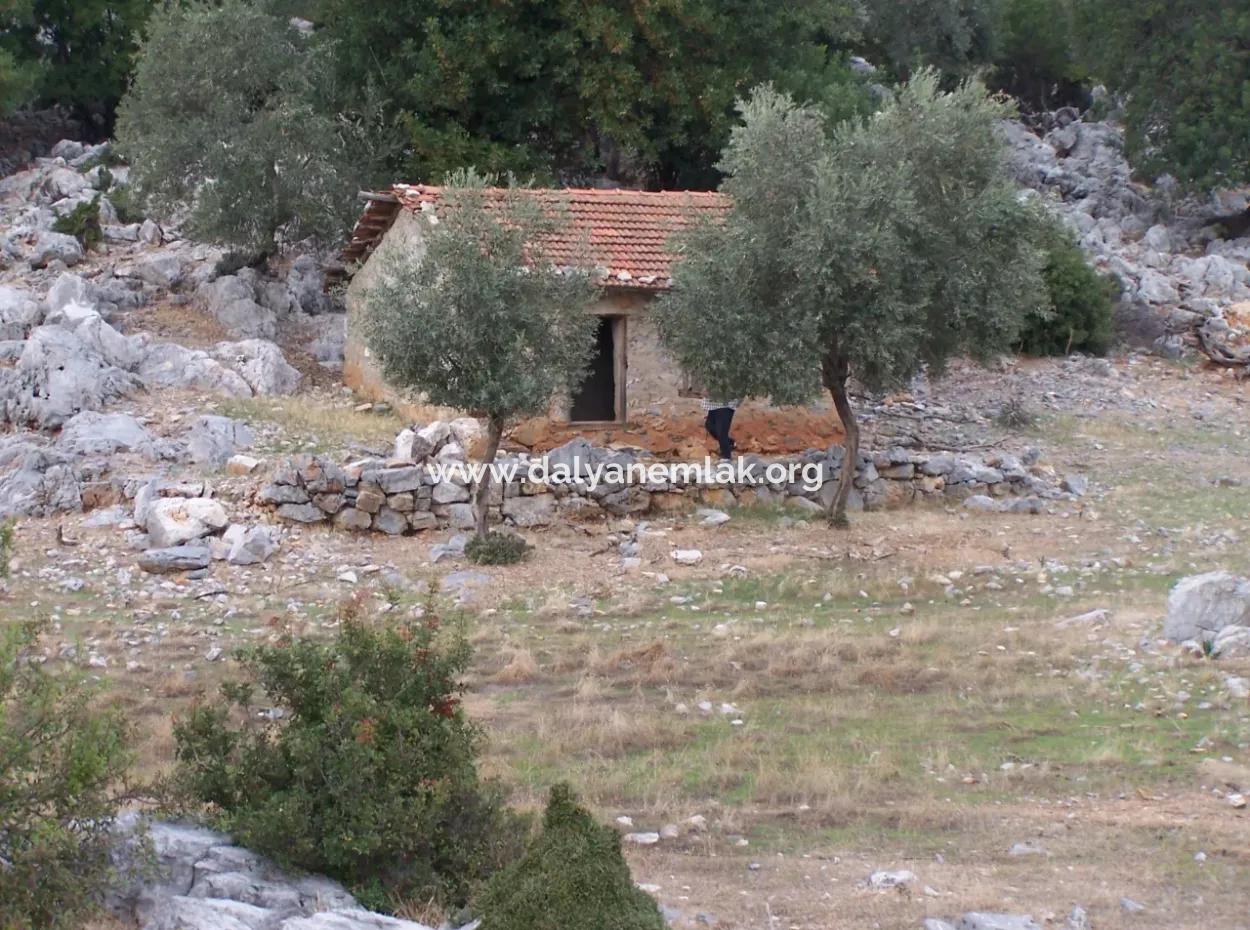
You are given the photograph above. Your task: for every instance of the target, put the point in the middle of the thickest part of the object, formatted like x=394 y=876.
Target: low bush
x=126 y=204
x=1016 y=414
x=8 y=538
x=496 y=549
x=362 y=765
x=61 y=767
x=83 y=223
x=571 y=875
x=1080 y=311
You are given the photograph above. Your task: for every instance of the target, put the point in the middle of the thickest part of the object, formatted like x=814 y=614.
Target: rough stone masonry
x=417 y=490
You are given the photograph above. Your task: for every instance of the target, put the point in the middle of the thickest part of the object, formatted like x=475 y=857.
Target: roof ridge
x=594 y=192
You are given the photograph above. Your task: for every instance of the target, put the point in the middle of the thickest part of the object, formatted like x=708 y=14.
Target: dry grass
x=311 y=423
x=878 y=720
x=521 y=668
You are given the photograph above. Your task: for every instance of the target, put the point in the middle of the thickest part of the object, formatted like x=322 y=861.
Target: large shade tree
x=230 y=114
x=483 y=322
x=76 y=53
x=567 y=89
x=870 y=250
x=1184 y=68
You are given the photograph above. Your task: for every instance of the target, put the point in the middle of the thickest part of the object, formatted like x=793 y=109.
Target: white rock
x=54 y=246
x=1200 y=606
x=687 y=556
x=241 y=464
x=887 y=879
x=641 y=839
x=172 y=521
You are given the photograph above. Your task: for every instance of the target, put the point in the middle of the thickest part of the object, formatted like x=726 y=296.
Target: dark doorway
x=595 y=398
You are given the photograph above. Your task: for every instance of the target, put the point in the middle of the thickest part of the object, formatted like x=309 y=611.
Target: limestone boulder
x=232 y=301
x=94 y=433
x=19 y=312
x=36 y=481
x=175 y=559
x=54 y=246
x=211 y=440
x=260 y=363
x=1201 y=606
x=172 y=521
x=57 y=376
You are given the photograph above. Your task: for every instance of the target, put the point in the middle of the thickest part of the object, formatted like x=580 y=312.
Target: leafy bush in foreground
x=60 y=765
x=368 y=773
x=572 y=876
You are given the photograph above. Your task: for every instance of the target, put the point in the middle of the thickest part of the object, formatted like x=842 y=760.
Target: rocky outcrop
x=199 y=880
x=1211 y=611
x=1174 y=266
x=37 y=481
x=57 y=376
x=69 y=351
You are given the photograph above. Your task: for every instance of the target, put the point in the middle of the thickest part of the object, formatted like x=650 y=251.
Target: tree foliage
x=888 y=244
x=635 y=90
x=78 y=53
x=369 y=772
x=60 y=764
x=1036 y=59
x=572 y=875
x=953 y=36
x=1080 y=301
x=228 y=116
x=1184 y=68
x=483 y=322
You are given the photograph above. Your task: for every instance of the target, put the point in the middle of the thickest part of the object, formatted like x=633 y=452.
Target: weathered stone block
x=330 y=503
x=390 y=522
x=402 y=503
x=302 y=513
x=349 y=518
x=397 y=480
x=370 y=500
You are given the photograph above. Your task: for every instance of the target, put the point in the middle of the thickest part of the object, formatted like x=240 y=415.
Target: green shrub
x=127 y=205
x=60 y=765
x=83 y=223
x=496 y=549
x=1079 y=316
x=572 y=875
x=1034 y=58
x=8 y=536
x=365 y=770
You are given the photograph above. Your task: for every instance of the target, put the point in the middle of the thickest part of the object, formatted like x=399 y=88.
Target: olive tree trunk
x=835 y=371
x=481 y=494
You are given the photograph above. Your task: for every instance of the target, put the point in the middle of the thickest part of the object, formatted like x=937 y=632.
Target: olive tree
x=871 y=250
x=230 y=114
x=483 y=322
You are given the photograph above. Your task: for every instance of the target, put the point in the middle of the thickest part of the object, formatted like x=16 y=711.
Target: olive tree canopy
x=482 y=322
x=230 y=114
x=870 y=250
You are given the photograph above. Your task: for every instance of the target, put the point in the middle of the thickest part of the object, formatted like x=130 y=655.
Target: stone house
x=634 y=391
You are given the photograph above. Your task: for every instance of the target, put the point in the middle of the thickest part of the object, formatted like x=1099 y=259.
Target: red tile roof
x=626 y=232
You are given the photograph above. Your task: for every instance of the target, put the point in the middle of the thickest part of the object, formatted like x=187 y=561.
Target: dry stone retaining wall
x=398 y=496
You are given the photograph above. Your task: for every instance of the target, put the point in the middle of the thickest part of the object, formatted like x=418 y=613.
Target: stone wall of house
x=360 y=370
x=414 y=492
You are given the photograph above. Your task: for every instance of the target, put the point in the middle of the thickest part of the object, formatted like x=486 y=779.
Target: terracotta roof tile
x=626 y=232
